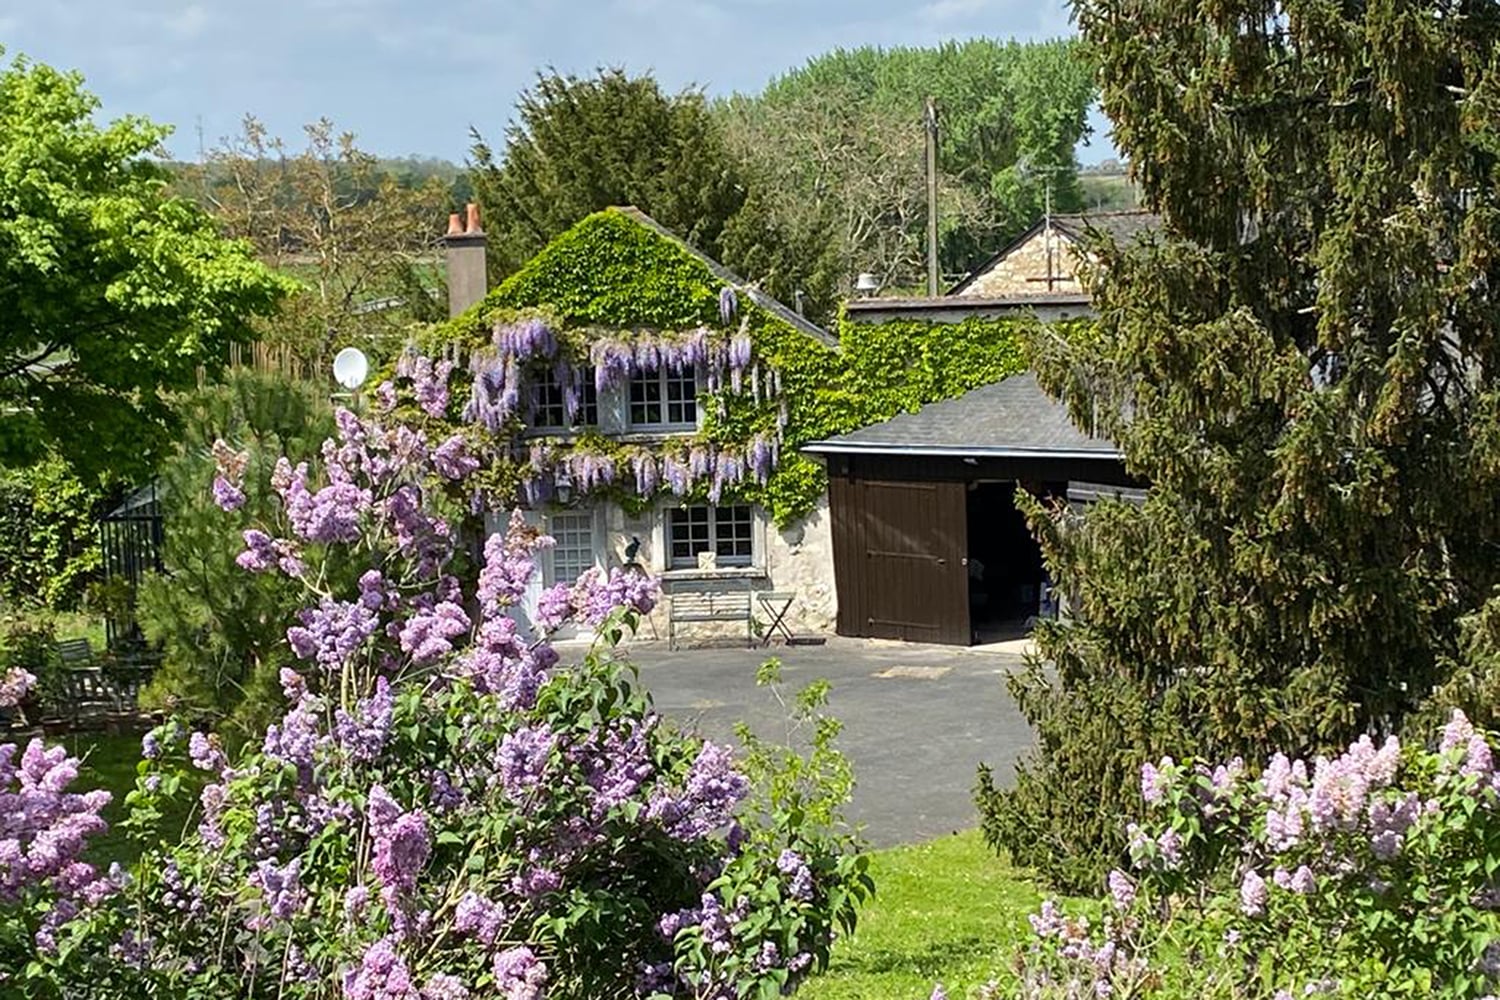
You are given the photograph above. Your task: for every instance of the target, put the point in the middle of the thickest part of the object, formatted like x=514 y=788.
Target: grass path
x=947 y=910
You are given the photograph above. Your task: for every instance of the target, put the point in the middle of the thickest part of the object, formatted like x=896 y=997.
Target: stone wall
x=1024 y=270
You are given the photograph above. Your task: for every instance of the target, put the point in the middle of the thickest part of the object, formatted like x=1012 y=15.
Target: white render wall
x=798 y=559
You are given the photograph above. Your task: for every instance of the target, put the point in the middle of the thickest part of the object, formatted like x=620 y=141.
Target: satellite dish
x=351 y=368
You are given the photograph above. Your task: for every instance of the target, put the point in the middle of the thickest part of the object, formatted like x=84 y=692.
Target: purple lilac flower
x=938 y=993
x=296 y=738
x=44 y=829
x=331 y=515
x=428 y=636
x=521 y=761
x=1303 y=881
x=716 y=925
x=212 y=800
x=441 y=986
x=1154 y=783
x=1169 y=845
x=381 y=810
x=332 y=632
x=519 y=974
x=205 y=753
x=480 y=917
x=554 y=606
x=713 y=790
x=364 y=734
x=401 y=852
x=227 y=496
x=452 y=460
x=800 y=886
x=621 y=763
x=536 y=882
x=261 y=552
x=596 y=595
x=355 y=902
x=508 y=566
x=281 y=892
x=429 y=381
x=1253 y=894
x=151 y=745
x=382 y=975
x=1122 y=889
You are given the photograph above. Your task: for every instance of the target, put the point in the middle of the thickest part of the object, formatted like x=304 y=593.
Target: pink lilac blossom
x=1253 y=894
x=15 y=685
x=441 y=986
x=519 y=974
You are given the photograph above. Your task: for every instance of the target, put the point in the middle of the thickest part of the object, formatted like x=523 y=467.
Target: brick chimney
x=466 y=274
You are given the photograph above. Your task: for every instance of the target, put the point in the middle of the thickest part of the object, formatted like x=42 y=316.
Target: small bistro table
x=776 y=604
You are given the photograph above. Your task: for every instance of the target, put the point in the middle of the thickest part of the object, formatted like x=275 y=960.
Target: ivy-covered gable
x=615 y=298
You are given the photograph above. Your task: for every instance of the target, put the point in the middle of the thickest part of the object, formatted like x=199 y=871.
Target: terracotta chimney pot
x=472 y=224
x=455 y=225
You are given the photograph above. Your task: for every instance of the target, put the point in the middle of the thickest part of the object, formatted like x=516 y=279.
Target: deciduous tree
x=112 y=292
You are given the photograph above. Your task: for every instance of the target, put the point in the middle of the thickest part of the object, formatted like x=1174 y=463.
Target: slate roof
x=1122 y=227
x=1011 y=418
x=789 y=316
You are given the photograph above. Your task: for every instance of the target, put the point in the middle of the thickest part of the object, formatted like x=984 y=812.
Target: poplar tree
x=1303 y=366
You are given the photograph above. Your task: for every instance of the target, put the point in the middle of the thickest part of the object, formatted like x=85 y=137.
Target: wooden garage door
x=899 y=557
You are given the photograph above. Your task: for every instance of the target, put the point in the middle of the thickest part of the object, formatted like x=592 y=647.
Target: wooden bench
x=708 y=601
x=75 y=653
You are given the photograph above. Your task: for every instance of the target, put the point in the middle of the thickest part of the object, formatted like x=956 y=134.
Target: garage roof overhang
x=837 y=447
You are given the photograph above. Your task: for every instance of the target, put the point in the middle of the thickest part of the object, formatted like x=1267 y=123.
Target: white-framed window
x=574 y=551
x=664 y=399
x=727 y=531
x=549 y=407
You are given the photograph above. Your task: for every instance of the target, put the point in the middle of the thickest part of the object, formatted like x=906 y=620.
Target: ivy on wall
x=611 y=280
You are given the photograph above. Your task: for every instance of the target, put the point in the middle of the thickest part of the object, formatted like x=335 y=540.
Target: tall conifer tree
x=1304 y=367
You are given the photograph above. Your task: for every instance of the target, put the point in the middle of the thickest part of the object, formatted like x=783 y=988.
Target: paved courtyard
x=917 y=719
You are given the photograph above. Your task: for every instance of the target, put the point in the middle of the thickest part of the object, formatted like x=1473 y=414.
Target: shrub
x=1375 y=873
x=444 y=811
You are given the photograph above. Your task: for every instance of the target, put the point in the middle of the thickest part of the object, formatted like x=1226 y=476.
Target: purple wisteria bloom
x=729 y=304
x=452 y=460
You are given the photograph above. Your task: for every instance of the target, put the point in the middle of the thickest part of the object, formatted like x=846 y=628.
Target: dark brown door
x=899 y=557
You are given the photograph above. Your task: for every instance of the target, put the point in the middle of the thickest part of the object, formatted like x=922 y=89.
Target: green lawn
x=947 y=911
x=109 y=762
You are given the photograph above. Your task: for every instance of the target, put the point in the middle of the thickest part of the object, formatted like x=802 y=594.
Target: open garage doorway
x=1006 y=576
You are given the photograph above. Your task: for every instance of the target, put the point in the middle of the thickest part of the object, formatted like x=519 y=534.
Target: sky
x=411 y=77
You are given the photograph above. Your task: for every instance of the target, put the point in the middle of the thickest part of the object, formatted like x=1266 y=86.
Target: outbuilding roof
x=1012 y=418
x=1122 y=227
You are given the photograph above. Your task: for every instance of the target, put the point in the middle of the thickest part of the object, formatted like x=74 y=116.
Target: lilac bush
x=443 y=810
x=1371 y=874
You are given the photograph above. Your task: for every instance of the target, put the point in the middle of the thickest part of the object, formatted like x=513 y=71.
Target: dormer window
x=664 y=400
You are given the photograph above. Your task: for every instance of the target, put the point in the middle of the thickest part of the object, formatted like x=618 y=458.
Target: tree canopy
x=111 y=290
x=579 y=145
x=1303 y=367
x=834 y=157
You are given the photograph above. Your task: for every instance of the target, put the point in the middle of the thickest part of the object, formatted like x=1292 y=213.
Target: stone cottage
x=1043 y=261
x=637 y=392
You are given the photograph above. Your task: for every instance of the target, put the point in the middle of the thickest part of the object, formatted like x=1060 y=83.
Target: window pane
x=573 y=552
x=682 y=404
x=588 y=403
x=547 y=401
x=689 y=528
x=733 y=533
x=645 y=400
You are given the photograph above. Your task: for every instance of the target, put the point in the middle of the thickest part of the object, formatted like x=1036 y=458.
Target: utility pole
x=932 y=205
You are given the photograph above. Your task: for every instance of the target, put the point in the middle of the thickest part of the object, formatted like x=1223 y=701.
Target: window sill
x=636 y=433
x=722 y=573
